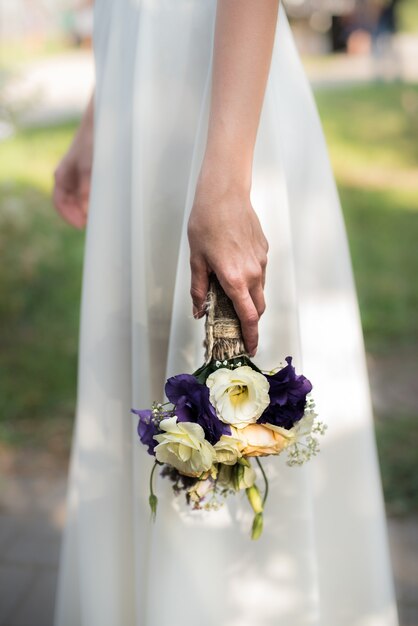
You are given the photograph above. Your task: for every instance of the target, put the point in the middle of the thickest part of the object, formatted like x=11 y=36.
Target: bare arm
x=243 y=46
x=225 y=235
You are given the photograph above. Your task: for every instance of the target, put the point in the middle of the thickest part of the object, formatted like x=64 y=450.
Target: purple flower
x=288 y=393
x=146 y=429
x=191 y=400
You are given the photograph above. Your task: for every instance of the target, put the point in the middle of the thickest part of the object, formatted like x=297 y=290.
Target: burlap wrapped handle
x=223 y=338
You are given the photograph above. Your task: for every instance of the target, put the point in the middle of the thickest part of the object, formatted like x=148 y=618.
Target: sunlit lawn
x=372 y=134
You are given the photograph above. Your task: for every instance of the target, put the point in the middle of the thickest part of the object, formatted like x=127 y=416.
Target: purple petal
x=288 y=393
x=191 y=400
x=146 y=428
x=177 y=388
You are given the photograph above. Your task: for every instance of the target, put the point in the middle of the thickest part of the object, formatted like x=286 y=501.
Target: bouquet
x=225 y=414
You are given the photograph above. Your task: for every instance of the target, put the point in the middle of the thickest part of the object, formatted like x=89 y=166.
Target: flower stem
x=266 y=482
x=153 y=500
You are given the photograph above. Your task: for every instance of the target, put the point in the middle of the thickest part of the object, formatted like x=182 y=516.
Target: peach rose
x=260 y=440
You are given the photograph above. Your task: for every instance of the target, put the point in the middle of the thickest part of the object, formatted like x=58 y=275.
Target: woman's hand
x=226 y=238
x=72 y=176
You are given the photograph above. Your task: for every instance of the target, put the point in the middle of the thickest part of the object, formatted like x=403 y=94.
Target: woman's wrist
x=225 y=172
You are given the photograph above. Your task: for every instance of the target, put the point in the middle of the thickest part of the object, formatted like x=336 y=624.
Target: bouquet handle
x=223 y=335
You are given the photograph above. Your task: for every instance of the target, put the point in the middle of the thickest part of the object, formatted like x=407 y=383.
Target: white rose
x=302 y=428
x=183 y=445
x=239 y=396
x=228 y=449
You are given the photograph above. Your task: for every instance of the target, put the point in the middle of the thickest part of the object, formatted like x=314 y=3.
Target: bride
x=209 y=156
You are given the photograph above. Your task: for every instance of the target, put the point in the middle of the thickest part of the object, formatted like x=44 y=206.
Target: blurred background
x=362 y=59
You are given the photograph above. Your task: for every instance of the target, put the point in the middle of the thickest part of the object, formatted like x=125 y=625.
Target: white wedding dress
x=323 y=557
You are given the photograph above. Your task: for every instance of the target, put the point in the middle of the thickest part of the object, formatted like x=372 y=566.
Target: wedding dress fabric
x=323 y=557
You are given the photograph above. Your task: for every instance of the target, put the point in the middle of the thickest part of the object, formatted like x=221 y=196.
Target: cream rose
x=183 y=445
x=239 y=396
x=261 y=440
x=228 y=449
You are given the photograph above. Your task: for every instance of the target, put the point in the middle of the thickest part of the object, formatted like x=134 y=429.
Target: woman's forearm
x=244 y=37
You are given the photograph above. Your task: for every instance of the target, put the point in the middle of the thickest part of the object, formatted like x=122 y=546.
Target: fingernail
x=195 y=311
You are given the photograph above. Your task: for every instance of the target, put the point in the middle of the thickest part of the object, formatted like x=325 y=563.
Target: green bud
x=153 y=501
x=244 y=461
x=257 y=528
x=255 y=498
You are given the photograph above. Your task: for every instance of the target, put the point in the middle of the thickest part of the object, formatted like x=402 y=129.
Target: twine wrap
x=222 y=327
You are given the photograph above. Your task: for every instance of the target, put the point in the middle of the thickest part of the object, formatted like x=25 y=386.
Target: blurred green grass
x=372 y=133
x=407 y=14
x=40 y=279
x=397 y=442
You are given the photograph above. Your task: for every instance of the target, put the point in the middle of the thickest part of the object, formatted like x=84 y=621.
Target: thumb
x=199 y=286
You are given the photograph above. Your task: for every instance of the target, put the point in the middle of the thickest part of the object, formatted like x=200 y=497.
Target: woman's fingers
x=247 y=314
x=257 y=294
x=68 y=207
x=249 y=305
x=199 y=286
x=71 y=193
